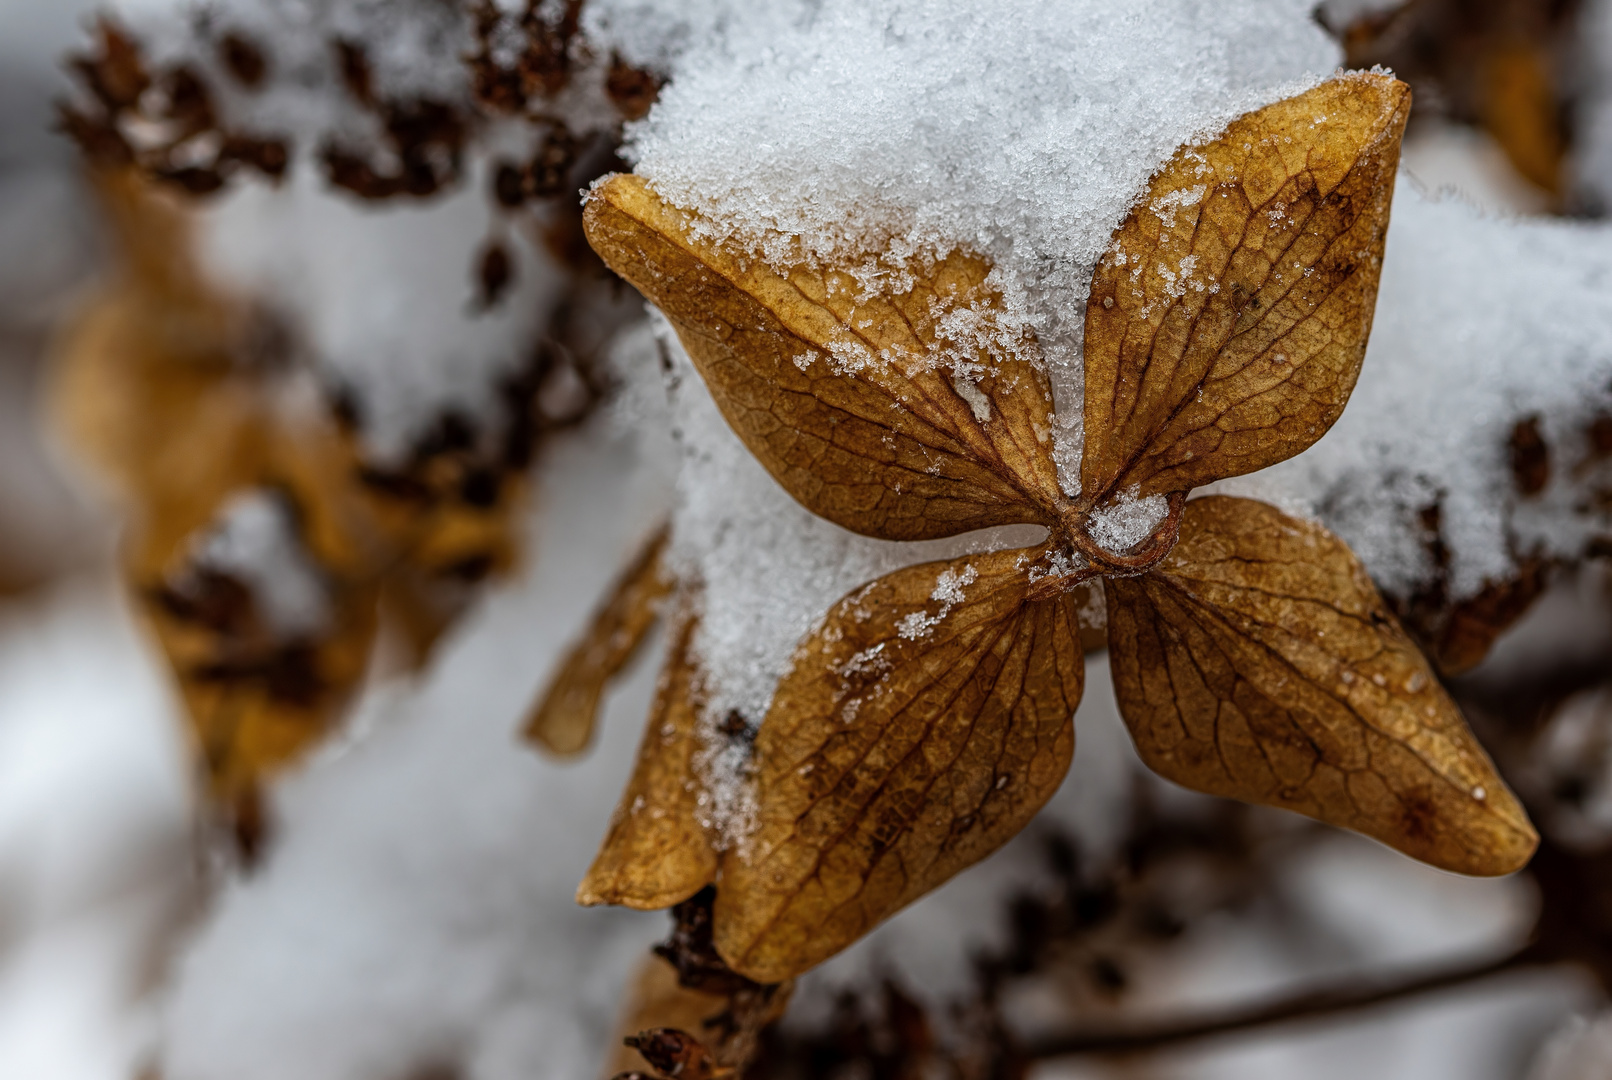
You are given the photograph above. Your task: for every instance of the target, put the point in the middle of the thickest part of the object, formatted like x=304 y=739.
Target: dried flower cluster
x=929 y=716
x=194 y=405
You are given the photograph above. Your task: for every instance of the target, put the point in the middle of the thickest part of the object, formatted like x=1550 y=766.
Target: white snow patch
x=1480 y=323
x=254 y=540
x=383 y=298
x=949 y=586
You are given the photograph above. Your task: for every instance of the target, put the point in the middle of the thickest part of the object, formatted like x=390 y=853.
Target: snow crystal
x=655 y=34
x=948 y=592
x=1022 y=130
x=1126 y=522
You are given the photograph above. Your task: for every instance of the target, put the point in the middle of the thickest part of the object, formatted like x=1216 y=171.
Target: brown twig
x=1330 y=1001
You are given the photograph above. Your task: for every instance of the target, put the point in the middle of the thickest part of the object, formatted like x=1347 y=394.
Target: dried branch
x=1326 y=1002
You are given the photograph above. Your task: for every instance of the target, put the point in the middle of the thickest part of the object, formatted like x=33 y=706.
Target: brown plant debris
x=1530 y=457
x=243 y=59
x=1078 y=929
x=1471 y=627
x=546 y=175
x=495 y=272
x=563 y=721
x=632 y=90
x=656 y=999
x=720 y=1013
x=525 y=56
x=675 y=1053
x=169 y=122
x=1457 y=635
x=1495 y=64
x=177 y=394
x=421 y=152
x=181 y=140
x=927 y=718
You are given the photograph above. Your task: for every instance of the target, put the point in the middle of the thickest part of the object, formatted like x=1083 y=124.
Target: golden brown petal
x=858 y=405
x=1229 y=317
x=657 y=853
x=921 y=727
x=563 y=720
x=1258 y=662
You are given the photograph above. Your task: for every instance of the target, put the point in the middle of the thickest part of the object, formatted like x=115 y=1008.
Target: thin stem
x=1330 y=1001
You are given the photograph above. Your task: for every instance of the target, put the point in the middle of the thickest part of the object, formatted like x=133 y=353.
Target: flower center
x=1125 y=535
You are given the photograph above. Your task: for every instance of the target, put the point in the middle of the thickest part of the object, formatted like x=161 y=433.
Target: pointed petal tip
x=1512 y=853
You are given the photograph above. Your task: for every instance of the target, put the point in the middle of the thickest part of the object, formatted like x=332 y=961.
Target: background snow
x=1578 y=1051
x=49 y=248
x=1480 y=322
x=1591 y=166
x=253 y=539
x=405 y=42
x=95 y=855
x=419 y=906
x=384 y=296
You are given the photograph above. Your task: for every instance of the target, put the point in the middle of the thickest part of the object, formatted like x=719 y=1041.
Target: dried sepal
x=563 y=721
x=1259 y=662
x=920 y=727
x=1229 y=317
x=862 y=406
x=657 y=853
